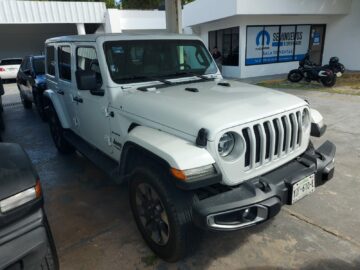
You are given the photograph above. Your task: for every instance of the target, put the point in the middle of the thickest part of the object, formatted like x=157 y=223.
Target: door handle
x=78 y=99
x=60 y=92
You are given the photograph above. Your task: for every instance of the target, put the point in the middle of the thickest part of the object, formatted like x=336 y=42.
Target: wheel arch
x=54 y=100
x=133 y=154
x=162 y=148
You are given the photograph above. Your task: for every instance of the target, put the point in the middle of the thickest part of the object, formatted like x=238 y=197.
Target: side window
x=50 y=60
x=64 y=59
x=86 y=60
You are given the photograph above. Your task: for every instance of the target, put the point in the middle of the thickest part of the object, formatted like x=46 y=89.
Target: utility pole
x=173 y=16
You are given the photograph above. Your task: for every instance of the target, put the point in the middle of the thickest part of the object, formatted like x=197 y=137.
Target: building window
x=64 y=59
x=227 y=41
x=50 y=60
x=276 y=44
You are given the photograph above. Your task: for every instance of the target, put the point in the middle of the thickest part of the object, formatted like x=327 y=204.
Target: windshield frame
x=150 y=77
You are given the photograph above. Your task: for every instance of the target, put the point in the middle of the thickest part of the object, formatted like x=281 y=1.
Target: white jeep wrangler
x=196 y=150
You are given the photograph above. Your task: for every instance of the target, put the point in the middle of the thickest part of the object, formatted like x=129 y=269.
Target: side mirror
x=27 y=72
x=86 y=80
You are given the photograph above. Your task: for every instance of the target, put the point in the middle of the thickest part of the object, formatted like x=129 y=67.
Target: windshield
x=9 y=62
x=39 y=65
x=136 y=61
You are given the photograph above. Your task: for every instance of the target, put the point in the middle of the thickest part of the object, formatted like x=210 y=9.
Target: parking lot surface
x=93 y=226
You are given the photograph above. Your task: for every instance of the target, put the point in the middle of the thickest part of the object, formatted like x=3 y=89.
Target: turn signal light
x=179 y=174
x=194 y=174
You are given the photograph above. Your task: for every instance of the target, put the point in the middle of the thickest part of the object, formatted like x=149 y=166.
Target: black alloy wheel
x=152 y=214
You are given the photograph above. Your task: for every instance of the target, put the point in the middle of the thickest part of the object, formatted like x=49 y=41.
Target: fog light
x=235 y=219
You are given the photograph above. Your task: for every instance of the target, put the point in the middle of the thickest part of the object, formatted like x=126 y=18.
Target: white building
x=256 y=37
x=25 y=25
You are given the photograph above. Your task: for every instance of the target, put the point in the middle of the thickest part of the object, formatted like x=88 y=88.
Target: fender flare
x=166 y=149
x=62 y=114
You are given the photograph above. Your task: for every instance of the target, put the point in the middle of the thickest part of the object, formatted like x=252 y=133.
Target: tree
x=146 y=4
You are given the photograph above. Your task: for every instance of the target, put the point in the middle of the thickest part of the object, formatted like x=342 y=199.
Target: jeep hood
x=213 y=107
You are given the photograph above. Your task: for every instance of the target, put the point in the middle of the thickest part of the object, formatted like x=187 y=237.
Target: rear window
x=39 y=65
x=8 y=62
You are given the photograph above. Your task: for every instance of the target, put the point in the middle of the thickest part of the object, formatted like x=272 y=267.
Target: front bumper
x=26 y=242
x=262 y=198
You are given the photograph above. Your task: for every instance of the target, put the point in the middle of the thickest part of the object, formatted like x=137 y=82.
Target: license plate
x=303 y=188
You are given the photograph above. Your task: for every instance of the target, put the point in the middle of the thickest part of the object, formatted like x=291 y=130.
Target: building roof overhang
x=203 y=11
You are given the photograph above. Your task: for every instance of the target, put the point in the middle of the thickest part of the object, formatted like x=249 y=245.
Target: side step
x=105 y=163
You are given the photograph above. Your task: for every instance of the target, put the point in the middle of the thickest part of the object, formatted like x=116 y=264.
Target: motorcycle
x=336 y=66
x=310 y=72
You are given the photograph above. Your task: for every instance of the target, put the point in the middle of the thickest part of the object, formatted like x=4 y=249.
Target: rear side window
x=64 y=58
x=50 y=60
x=9 y=62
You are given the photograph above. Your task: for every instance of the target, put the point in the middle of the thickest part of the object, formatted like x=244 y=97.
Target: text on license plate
x=303 y=188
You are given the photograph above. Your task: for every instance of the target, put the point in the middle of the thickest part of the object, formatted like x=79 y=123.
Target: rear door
x=66 y=83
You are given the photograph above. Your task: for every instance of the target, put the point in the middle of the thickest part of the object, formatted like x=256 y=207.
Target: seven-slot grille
x=272 y=139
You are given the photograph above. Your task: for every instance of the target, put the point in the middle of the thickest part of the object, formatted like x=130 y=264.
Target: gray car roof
x=94 y=37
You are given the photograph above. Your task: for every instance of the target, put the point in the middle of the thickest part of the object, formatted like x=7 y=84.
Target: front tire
x=2 y=124
x=295 y=76
x=25 y=102
x=57 y=133
x=162 y=213
x=329 y=81
x=39 y=103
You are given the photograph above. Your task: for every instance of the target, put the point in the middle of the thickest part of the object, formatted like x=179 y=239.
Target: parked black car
x=31 y=82
x=26 y=241
x=2 y=125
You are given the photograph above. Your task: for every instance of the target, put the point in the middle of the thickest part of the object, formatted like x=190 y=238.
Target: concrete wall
x=21 y=40
x=343 y=38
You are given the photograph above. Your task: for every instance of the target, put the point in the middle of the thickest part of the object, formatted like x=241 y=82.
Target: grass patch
x=348 y=84
x=149 y=260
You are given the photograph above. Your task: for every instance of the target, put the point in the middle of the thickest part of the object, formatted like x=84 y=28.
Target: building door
x=316 y=46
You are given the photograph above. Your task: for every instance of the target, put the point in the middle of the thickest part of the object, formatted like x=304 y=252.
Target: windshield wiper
x=186 y=73
x=148 y=78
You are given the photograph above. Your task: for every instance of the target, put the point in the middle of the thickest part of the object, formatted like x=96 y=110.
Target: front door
x=316 y=46
x=94 y=122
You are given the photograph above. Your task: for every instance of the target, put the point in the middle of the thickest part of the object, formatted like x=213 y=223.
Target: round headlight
x=305 y=118
x=226 y=144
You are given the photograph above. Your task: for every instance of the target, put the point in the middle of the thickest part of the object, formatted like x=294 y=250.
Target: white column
x=173 y=16
x=81 y=29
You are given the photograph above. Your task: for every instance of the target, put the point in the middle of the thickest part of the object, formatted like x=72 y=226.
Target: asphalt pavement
x=94 y=229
